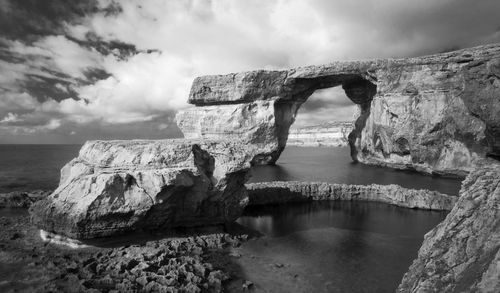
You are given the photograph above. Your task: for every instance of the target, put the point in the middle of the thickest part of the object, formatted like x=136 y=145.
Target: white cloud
x=201 y=37
x=12 y=102
x=57 y=53
x=10 y=117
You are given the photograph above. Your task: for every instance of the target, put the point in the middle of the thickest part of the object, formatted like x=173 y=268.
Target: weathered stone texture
x=295 y=191
x=118 y=186
x=462 y=254
x=436 y=114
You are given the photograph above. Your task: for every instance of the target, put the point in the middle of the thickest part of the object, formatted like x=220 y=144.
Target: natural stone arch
x=359 y=90
x=268 y=102
x=426 y=114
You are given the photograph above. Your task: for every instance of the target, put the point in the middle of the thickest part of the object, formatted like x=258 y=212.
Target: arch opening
x=357 y=89
x=326 y=118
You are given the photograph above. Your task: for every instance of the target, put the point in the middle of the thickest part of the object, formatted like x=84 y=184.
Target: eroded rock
x=274 y=192
x=462 y=254
x=436 y=114
x=118 y=186
x=21 y=199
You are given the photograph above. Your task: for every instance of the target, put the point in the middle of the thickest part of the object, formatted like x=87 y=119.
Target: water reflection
x=334 y=165
x=284 y=219
x=343 y=246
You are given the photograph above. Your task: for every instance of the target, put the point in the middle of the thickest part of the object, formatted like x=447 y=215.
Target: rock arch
x=260 y=107
x=426 y=114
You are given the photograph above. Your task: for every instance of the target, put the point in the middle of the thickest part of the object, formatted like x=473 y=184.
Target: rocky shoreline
x=292 y=191
x=22 y=199
x=462 y=253
x=178 y=264
x=205 y=263
x=201 y=263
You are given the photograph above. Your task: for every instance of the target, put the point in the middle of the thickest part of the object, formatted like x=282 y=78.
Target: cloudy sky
x=78 y=70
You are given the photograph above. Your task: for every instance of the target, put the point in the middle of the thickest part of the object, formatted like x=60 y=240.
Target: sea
x=333 y=246
x=29 y=167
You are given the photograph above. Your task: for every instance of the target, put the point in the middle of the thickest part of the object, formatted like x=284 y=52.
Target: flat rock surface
x=290 y=191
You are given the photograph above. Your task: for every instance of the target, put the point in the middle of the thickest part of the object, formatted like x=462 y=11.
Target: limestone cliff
x=435 y=114
x=118 y=186
x=462 y=254
x=331 y=134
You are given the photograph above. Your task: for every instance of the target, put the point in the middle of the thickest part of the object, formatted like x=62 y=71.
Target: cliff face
x=436 y=114
x=462 y=254
x=332 y=134
x=118 y=186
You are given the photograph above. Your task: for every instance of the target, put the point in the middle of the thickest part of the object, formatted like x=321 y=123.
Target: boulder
x=117 y=186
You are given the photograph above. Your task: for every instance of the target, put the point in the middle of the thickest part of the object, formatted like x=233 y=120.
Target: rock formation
x=331 y=134
x=292 y=191
x=436 y=114
x=462 y=254
x=118 y=186
x=21 y=199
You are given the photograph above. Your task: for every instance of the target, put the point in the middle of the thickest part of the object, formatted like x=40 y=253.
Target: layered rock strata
x=118 y=186
x=462 y=254
x=294 y=191
x=435 y=114
x=332 y=134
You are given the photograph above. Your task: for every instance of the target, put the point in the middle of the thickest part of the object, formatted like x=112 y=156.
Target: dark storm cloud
x=29 y=20
x=410 y=28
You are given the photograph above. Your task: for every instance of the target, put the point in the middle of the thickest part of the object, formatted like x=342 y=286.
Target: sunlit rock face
x=462 y=254
x=119 y=186
x=435 y=114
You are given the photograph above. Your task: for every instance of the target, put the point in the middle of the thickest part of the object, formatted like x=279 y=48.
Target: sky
x=100 y=69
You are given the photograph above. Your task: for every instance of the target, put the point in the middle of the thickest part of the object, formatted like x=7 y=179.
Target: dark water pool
x=342 y=246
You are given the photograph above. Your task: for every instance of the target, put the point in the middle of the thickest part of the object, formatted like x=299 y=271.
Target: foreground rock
x=114 y=187
x=462 y=254
x=21 y=199
x=331 y=134
x=181 y=264
x=293 y=191
x=435 y=114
